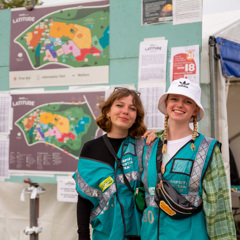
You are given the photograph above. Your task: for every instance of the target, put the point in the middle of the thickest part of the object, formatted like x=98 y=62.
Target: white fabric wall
x=233 y=120
x=58 y=219
x=223 y=120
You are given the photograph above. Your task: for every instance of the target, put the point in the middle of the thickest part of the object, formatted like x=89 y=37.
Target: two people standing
x=192 y=164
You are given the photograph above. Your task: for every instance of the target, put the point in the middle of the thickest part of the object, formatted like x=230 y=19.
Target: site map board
x=60 y=45
x=49 y=130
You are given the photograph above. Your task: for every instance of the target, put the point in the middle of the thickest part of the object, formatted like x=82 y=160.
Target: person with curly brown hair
x=105 y=183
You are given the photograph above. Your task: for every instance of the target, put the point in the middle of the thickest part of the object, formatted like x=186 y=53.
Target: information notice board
x=125 y=36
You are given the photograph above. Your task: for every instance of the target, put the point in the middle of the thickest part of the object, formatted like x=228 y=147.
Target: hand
x=150 y=136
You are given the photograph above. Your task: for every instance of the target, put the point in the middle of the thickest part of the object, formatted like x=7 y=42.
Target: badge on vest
x=164 y=206
x=106 y=183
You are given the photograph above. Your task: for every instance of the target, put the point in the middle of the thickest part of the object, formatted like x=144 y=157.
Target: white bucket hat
x=186 y=88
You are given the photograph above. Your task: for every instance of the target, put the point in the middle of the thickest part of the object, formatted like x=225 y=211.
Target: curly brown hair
x=138 y=128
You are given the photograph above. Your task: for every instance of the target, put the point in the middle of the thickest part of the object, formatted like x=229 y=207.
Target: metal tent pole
x=34 y=214
x=213 y=86
x=34 y=190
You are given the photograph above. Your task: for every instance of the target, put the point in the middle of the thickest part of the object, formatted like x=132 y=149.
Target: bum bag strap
x=118 y=161
x=159 y=172
x=159 y=158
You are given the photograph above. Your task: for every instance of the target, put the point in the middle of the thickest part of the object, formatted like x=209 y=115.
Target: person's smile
x=124 y=118
x=178 y=111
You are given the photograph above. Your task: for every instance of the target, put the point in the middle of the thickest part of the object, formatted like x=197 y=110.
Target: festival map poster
x=60 y=45
x=49 y=130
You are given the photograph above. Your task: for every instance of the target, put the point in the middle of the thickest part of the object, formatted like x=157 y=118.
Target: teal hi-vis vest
x=185 y=172
x=114 y=215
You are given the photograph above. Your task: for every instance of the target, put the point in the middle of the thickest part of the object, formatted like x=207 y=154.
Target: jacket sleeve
x=84 y=207
x=83 y=216
x=216 y=201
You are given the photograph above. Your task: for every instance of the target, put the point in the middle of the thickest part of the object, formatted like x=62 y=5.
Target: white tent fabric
x=58 y=219
x=231 y=33
x=222 y=120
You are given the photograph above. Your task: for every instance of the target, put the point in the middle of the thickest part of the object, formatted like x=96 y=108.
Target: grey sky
x=215 y=6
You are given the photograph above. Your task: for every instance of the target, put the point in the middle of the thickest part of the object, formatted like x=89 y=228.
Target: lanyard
x=118 y=161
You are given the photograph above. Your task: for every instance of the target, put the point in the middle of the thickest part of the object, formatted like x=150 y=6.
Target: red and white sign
x=185 y=63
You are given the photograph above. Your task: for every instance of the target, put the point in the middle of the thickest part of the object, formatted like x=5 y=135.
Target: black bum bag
x=172 y=202
x=168 y=198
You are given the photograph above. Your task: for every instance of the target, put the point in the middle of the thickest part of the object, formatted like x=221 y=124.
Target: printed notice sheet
x=4 y=156
x=154 y=119
x=152 y=61
x=156 y=11
x=187 y=11
x=66 y=191
x=5 y=113
x=185 y=63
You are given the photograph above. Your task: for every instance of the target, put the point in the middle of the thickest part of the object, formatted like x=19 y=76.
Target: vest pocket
x=182 y=166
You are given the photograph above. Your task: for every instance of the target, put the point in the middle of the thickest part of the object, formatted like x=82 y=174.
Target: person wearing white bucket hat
x=187 y=194
x=186 y=88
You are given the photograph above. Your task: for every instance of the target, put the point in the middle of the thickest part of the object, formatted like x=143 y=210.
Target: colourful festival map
x=49 y=130
x=62 y=45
